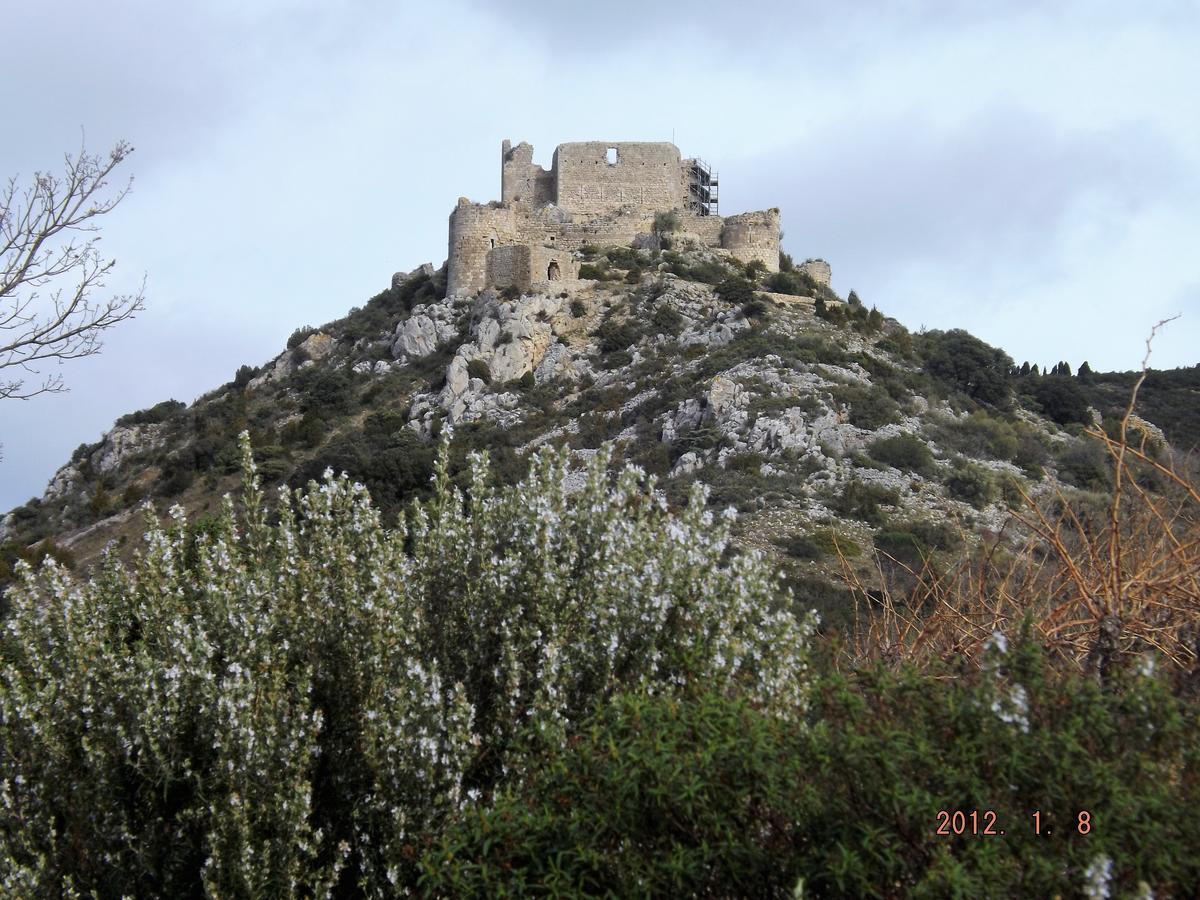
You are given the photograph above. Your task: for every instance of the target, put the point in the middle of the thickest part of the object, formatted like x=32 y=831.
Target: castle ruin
x=598 y=193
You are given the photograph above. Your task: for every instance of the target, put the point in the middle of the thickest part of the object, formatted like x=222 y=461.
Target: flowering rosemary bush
x=292 y=704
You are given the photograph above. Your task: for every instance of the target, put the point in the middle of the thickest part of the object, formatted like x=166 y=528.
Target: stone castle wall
x=604 y=193
x=642 y=177
x=753 y=236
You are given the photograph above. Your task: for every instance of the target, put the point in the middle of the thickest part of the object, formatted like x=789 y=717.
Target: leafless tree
x=51 y=269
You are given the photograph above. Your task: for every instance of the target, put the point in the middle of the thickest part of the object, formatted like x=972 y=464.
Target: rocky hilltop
x=834 y=431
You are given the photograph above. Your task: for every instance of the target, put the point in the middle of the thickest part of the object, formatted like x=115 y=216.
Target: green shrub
x=965 y=363
x=285 y=704
x=666 y=222
x=906 y=452
x=735 y=290
x=980 y=434
x=595 y=271
x=710 y=797
x=972 y=484
x=1061 y=399
x=1085 y=464
x=159 y=412
x=244 y=375
x=578 y=308
x=870 y=406
x=616 y=334
x=792 y=281
x=862 y=500
x=477 y=368
x=299 y=336
x=510 y=292
x=755 y=309
x=666 y=319
x=710 y=272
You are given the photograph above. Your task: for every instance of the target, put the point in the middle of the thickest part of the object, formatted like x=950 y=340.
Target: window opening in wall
x=552 y=273
x=611 y=156
x=493 y=243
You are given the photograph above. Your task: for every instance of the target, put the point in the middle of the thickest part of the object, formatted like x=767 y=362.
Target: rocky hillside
x=832 y=430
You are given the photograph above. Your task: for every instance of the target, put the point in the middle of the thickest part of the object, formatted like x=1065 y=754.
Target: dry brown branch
x=1096 y=587
x=49 y=242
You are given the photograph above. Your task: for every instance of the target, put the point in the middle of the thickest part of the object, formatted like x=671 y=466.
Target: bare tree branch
x=48 y=243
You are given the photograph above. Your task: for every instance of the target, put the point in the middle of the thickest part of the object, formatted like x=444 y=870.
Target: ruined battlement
x=595 y=192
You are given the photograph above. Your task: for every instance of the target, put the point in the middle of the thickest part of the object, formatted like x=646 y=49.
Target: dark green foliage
x=1060 y=398
x=755 y=309
x=654 y=798
x=708 y=797
x=980 y=434
x=307 y=431
x=477 y=368
x=735 y=290
x=802 y=546
x=786 y=263
x=755 y=269
x=965 y=363
x=906 y=452
x=870 y=406
x=299 y=336
x=913 y=543
x=1170 y=399
x=596 y=271
x=710 y=272
x=578 y=309
x=385 y=455
x=244 y=375
x=666 y=319
x=510 y=292
x=863 y=500
x=616 y=335
x=1085 y=465
x=325 y=391
x=972 y=484
x=666 y=222
x=159 y=412
x=794 y=282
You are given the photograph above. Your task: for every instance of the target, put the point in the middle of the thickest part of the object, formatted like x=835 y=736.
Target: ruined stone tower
x=595 y=192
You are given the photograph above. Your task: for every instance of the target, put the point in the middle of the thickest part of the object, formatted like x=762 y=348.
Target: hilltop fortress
x=599 y=193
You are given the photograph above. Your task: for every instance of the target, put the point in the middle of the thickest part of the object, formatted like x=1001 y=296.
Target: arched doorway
x=552 y=272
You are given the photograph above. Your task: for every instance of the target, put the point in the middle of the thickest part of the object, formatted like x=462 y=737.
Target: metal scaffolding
x=702 y=188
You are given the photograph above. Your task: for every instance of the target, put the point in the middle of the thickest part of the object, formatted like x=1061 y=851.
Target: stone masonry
x=596 y=192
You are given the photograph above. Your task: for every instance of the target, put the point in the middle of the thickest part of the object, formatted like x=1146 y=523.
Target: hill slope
x=829 y=428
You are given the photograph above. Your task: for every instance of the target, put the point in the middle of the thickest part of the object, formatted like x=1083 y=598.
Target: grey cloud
x=894 y=192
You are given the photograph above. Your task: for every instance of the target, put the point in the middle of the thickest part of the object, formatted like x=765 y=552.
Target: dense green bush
x=979 y=434
x=792 y=281
x=870 y=406
x=862 y=500
x=965 y=363
x=666 y=222
x=736 y=290
x=972 y=484
x=906 y=452
x=291 y=705
x=159 y=412
x=1060 y=398
x=617 y=334
x=710 y=797
x=384 y=454
x=299 y=336
x=477 y=368
x=1084 y=464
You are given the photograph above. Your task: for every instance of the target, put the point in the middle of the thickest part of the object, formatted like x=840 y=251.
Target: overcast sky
x=1027 y=171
